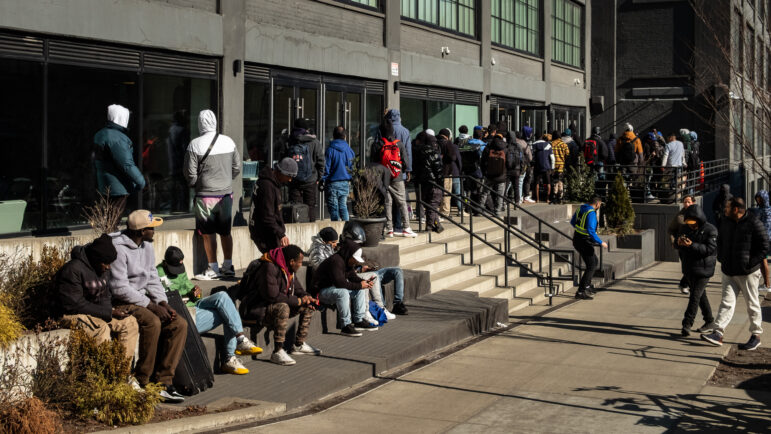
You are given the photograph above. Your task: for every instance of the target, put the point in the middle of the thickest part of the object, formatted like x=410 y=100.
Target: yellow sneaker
x=246 y=347
x=234 y=366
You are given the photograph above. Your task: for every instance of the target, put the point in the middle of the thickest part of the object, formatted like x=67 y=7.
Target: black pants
x=514 y=181
x=585 y=248
x=697 y=299
x=307 y=194
x=432 y=196
x=684 y=282
x=527 y=181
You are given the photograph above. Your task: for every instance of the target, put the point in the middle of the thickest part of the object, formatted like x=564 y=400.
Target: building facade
x=260 y=64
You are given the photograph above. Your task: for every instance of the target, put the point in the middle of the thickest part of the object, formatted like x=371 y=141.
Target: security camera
x=445 y=51
x=577 y=81
x=492 y=60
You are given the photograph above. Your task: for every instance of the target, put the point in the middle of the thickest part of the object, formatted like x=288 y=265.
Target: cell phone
x=372 y=278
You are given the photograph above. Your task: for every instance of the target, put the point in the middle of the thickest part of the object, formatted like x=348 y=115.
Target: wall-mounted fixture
x=487 y=98
x=445 y=51
x=577 y=82
x=492 y=60
x=396 y=86
x=236 y=67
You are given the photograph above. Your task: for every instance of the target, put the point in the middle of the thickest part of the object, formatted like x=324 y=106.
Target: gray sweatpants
x=398 y=197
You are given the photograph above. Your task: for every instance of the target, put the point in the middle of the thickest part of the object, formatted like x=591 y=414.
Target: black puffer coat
x=741 y=245
x=699 y=258
x=80 y=290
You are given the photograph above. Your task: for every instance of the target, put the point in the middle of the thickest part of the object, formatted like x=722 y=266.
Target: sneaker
x=209 y=274
x=438 y=228
x=583 y=295
x=713 y=338
x=423 y=221
x=685 y=332
x=389 y=315
x=234 y=366
x=304 y=348
x=528 y=200
x=409 y=233
x=441 y=220
x=280 y=357
x=228 y=271
x=350 y=330
x=684 y=290
x=363 y=325
x=398 y=233
x=170 y=395
x=389 y=234
x=707 y=327
x=370 y=319
x=751 y=344
x=135 y=384
x=399 y=309
x=650 y=196
x=246 y=347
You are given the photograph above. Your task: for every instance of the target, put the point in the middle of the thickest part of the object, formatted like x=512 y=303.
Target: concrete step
x=479 y=284
x=448 y=278
x=409 y=255
x=437 y=263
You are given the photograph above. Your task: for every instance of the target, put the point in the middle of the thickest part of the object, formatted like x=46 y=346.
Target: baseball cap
x=143 y=218
x=357 y=255
x=173 y=260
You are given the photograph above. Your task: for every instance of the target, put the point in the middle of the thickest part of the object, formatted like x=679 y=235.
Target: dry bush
x=104 y=216
x=29 y=416
x=368 y=201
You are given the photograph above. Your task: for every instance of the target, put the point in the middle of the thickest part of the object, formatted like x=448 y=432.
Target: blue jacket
x=591 y=222
x=338 y=161
x=114 y=162
x=763 y=212
x=403 y=135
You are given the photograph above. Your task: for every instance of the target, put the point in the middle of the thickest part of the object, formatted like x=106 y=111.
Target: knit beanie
x=287 y=166
x=101 y=250
x=328 y=234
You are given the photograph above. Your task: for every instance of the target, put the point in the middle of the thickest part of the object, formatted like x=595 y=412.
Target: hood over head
x=694 y=136
x=395 y=116
x=694 y=212
x=763 y=195
x=207 y=121
x=339 y=145
x=118 y=114
x=347 y=250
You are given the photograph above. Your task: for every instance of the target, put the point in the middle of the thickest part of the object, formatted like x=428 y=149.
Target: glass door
x=353 y=119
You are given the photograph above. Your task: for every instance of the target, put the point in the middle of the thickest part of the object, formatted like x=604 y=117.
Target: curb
x=261 y=410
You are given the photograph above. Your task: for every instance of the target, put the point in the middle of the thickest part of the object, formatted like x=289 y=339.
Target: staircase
x=446 y=256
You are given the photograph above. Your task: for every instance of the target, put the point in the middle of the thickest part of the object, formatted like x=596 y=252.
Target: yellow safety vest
x=581 y=222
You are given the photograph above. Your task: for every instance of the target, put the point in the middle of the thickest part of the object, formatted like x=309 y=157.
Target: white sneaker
x=305 y=349
x=423 y=221
x=389 y=315
x=528 y=200
x=209 y=274
x=409 y=234
x=389 y=234
x=135 y=384
x=441 y=220
x=370 y=319
x=282 y=358
x=246 y=347
x=234 y=366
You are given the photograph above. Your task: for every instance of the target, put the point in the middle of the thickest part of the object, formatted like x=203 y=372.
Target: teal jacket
x=179 y=283
x=114 y=162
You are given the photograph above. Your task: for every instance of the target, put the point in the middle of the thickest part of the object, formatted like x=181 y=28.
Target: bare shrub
x=104 y=216
x=367 y=198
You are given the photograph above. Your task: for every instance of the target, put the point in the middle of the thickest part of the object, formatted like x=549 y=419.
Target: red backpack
x=590 y=151
x=390 y=157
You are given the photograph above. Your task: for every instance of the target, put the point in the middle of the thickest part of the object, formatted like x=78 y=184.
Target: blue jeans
x=218 y=309
x=337 y=200
x=343 y=299
x=392 y=274
x=456 y=190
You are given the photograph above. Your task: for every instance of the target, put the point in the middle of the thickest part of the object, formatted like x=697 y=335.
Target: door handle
x=337 y=114
x=302 y=107
x=289 y=115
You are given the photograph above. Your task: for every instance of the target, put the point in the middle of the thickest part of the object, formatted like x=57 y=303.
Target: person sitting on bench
x=210 y=311
x=335 y=283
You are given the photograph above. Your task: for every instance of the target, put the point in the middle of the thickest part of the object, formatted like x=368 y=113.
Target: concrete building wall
x=521 y=67
x=204 y=5
x=429 y=43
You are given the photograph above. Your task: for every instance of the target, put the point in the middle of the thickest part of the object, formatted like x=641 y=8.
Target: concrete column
x=392 y=41
x=547 y=30
x=587 y=64
x=485 y=53
x=232 y=85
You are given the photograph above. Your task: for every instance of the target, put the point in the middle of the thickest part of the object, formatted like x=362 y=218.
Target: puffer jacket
x=114 y=156
x=763 y=212
x=741 y=245
x=698 y=259
x=80 y=290
x=319 y=251
x=274 y=284
x=428 y=161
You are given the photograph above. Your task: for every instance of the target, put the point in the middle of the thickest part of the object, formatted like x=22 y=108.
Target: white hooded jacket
x=215 y=176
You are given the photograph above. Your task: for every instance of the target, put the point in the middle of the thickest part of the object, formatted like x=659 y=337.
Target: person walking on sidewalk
x=338 y=164
x=212 y=163
x=584 y=239
x=742 y=244
x=697 y=245
x=674 y=231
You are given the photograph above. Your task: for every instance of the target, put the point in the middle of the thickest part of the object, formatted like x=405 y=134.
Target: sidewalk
x=615 y=364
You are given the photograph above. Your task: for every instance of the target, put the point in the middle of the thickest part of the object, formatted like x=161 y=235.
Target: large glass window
x=170 y=120
x=516 y=24
x=77 y=109
x=737 y=42
x=418 y=115
x=467 y=115
x=20 y=145
x=374 y=113
x=370 y=3
x=567 y=32
x=256 y=135
x=455 y=15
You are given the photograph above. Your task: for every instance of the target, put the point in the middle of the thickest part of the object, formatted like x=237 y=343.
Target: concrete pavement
x=614 y=364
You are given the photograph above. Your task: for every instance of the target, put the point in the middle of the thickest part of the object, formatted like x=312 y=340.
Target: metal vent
x=467 y=97
x=493 y=100
x=413 y=91
x=256 y=73
x=180 y=65
x=72 y=52
x=441 y=94
x=375 y=86
x=21 y=46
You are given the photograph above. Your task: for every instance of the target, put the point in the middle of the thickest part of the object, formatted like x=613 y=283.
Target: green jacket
x=180 y=283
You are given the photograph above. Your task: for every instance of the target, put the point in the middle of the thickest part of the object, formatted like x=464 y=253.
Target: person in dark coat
x=279 y=296
x=452 y=168
x=494 y=169
x=428 y=171
x=266 y=223
x=718 y=206
x=742 y=245
x=116 y=172
x=674 y=231
x=697 y=244
x=85 y=299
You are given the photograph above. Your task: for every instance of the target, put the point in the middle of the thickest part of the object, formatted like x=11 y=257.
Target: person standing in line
x=584 y=239
x=394 y=118
x=116 y=173
x=742 y=244
x=697 y=245
x=428 y=168
x=561 y=153
x=452 y=167
x=304 y=148
x=266 y=223
x=390 y=154
x=674 y=230
x=212 y=162
x=494 y=170
x=673 y=162
x=543 y=156
x=338 y=165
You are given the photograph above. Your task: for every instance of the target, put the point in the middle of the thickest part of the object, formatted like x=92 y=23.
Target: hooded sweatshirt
x=403 y=135
x=80 y=290
x=275 y=283
x=133 y=277
x=334 y=271
x=315 y=151
x=699 y=258
x=591 y=222
x=213 y=177
x=763 y=212
x=338 y=161
x=114 y=156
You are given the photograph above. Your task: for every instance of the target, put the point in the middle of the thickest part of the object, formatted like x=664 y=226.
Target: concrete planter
x=644 y=241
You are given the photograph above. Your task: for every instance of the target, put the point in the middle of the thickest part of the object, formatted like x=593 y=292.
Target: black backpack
x=693 y=160
x=626 y=155
x=469 y=157
x=514 y=157
x=300 y=153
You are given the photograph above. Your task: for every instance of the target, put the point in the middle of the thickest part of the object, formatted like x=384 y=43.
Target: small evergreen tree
x=579 y=183
x=619 y=213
